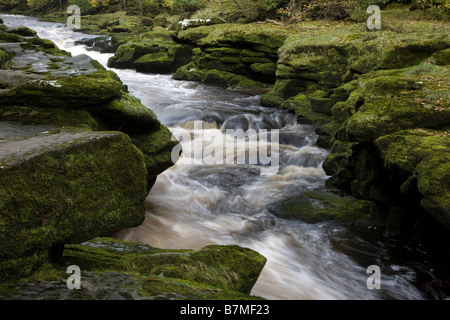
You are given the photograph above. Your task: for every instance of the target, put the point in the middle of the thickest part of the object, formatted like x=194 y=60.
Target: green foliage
x=38 y=4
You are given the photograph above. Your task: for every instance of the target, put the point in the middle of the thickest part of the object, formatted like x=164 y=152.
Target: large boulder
x=119 y=270
x=66 y=186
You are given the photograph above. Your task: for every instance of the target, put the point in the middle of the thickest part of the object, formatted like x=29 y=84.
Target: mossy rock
x=58 y=117
x=72 y=92
x=341 y=163
x=327 y=65
x=154 y=42
x=406 y=149
x=441 y=58
x=158 y=62
x=44 y=43
x=6 y=37
x=333 y=56
x=264 y=69
x=67 y=186
x=24 y=31
x=433 y=183
x=157 y=148
x=391 y=101
x=127 y=114
x=191 y=72
x=259 y=37
x=423 y=154
x=407 y=52
x=4 y=58
x=284 y=89
x=322 y=205
x=115 y=269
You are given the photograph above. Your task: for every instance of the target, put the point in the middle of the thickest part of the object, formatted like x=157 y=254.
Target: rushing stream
x=194 y=204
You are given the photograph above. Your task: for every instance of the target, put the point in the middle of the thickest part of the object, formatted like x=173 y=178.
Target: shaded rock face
x=119 y=270
x=78 y=154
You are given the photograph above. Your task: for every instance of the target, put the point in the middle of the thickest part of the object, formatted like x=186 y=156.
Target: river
x=197 y=203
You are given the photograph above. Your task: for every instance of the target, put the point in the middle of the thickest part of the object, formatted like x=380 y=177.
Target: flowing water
x=201 y=201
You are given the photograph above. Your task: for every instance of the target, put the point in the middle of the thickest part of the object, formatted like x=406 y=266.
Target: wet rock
x=153 y=52
x=423 y=153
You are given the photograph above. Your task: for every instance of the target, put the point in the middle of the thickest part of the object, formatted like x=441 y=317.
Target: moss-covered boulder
x=153 y=52
x=80 y=91
x=323 y=205
x=232 y=50
x=67 y=186
x=77 y=91
x=115 y=269
x=422 y=158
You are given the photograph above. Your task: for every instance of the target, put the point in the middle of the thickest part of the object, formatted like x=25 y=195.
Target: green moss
x=44 y=197
x=322 y=205
x=50 y=116
x=158 y=62
x=442 y=58
x=218 y=78
x=16 y=268
x=264 y=69
x=142 y=272
x=223 y=50
x=285 y=89
x=407 y=149
x=72 y=92
x=44 y=43
x=157 y=147
x=127 y=114
x=10 y=37
x=4 y=58
x=433 y=183
x=226 y=34
x=154 y=45
x=24 y=31
x=391 y=101
x=341 y=163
